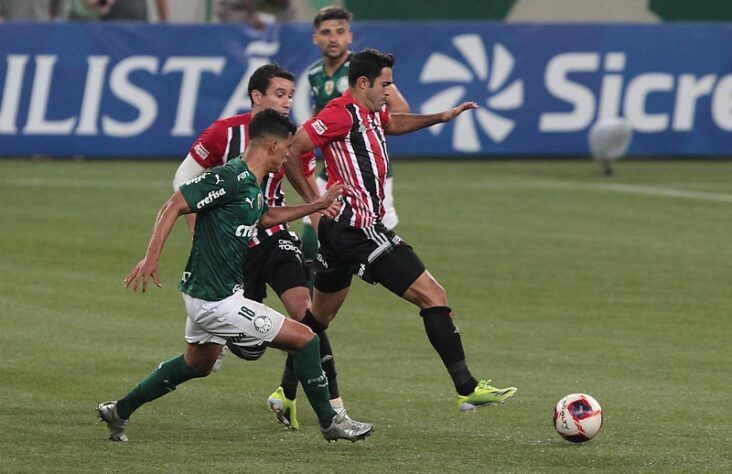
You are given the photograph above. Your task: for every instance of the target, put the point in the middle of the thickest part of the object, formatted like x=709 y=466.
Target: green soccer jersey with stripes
x=228 y=204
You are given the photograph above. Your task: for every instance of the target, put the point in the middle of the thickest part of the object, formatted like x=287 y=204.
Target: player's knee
x=428 y=293
x=302 y=335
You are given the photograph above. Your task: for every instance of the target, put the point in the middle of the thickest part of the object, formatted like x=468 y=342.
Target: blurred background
x=142 y=78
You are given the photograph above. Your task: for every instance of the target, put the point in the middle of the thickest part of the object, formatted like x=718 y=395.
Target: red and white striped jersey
x=353 y=143
x=226 y=139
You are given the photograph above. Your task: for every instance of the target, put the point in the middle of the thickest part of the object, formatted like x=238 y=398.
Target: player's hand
x=455 y=111
x=143 y=271
x=330 y=203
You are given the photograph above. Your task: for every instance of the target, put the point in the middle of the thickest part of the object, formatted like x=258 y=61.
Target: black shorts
x=276 y=261
x=375 y=254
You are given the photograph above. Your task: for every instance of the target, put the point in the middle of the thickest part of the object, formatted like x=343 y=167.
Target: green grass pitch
x=561 y=280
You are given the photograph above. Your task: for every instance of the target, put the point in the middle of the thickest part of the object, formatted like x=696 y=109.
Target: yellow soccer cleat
x=484 y=395
x=285 y=409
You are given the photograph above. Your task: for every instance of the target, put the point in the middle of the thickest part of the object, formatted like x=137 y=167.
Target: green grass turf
x=562 y=280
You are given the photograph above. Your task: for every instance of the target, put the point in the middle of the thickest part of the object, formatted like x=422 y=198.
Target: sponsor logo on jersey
x=319 y=127
x=211 y=197
x=197 y=179
x=247 y=231
x=218 y=179
x=242 y=176
x=201 y=150
x=249 y=201
x=288 y=246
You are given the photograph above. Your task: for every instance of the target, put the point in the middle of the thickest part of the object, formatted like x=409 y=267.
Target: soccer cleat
x=343 y=427
x=284 y=408
x=484 y=395
x=107 y=412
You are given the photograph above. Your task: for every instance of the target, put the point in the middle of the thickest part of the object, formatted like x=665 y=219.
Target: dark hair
x=369 y=63
x=332 y=13
x=263 y=75
x=270 y=122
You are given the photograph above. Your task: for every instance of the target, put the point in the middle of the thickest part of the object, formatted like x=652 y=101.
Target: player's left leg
x=284 y=272
x=196 y=362
x=402 y=272
x=304 y=346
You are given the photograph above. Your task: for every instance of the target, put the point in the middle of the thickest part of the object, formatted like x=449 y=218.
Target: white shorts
x=237 y=319
x=390 y=219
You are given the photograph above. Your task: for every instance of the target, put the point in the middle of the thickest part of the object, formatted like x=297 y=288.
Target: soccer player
x=351 y=131
x=274 y=256
x=229 y=203
x=328 y=80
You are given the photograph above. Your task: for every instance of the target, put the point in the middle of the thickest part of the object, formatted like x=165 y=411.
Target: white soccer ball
x=610 y=138
x=577 y=417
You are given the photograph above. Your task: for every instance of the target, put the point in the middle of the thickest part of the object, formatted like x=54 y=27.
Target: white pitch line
x=667 y=192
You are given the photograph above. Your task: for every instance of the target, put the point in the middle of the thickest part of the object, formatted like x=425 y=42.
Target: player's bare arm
x=328 y=204
x=301 y=143
x=400 y=124
x=173 y=208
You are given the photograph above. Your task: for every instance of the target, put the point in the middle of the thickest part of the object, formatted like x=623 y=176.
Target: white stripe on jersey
x=381 y=240
x=229 y=136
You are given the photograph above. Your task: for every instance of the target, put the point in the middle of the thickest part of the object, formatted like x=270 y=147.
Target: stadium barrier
x=148 y=90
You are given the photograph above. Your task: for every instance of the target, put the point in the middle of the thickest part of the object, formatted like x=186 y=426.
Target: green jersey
x=324 y=88
x=228 y=204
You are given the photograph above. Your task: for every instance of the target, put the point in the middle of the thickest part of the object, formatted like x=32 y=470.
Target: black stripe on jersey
x=234 y=143
x=365 y=166
x=381 y=138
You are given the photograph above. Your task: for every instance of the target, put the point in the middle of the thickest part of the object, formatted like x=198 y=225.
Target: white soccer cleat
x=107 y=412
x=343 y=427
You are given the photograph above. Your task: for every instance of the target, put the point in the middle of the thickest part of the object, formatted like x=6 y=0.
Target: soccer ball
x=577 y=417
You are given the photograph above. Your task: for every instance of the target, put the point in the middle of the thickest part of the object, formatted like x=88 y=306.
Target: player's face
x=278 y=96
x=333 y=37
x=378 y=93
x=280 y=152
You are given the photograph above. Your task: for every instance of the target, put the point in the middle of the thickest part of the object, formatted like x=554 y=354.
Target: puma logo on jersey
x=250 y=201
x=218 y=180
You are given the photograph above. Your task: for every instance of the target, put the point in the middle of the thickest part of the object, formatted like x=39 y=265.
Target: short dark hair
x=269 y=122
x=332 y=13
x=263 y=75
x=369 y=63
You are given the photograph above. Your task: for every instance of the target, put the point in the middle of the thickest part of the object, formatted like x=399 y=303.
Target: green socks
x=310 y=373
x=161 y=381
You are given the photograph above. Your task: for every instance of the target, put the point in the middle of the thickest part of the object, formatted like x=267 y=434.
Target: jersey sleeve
x=213 y=188
x=208 y=149
x=384 y=115
x=308 y=163
x=331 y=124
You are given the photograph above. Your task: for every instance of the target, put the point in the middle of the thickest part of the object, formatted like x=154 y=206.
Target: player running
x=350 y=131
x=230 y=208
x=274 y=256
x=328 y=79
